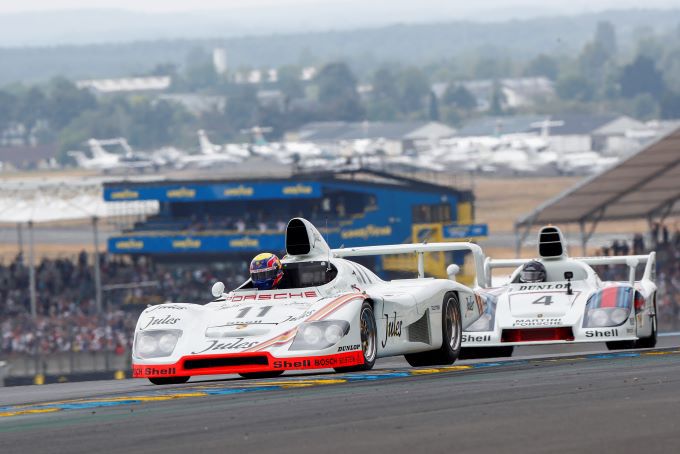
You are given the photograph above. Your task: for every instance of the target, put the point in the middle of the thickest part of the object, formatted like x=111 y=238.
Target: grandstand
x=223 y=220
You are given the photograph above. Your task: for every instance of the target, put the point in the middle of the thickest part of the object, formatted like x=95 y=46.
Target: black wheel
x=621 y=345
x=268 y=374
x=486 y=352
x=169 y=380
x=649 y=342
x=369 y=339
x=643 y=342
x=452 y=332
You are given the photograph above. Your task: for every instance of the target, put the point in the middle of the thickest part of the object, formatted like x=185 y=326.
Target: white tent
x=40 y=202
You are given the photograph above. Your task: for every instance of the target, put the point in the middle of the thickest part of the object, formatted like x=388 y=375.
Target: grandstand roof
x=429 y=181
x=42 y=202
x=645 y=185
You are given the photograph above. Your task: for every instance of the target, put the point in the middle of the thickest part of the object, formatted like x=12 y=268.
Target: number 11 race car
x=557 y=299
x=327 y=312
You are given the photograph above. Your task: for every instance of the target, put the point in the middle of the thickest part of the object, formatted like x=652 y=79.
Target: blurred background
x=148 y=149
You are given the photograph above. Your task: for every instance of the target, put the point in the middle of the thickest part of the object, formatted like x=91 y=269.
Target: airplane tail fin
x=207 y=147
x=97 y=150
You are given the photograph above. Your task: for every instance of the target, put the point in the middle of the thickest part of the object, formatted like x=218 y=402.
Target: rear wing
x=632 y=261
x=419 y=250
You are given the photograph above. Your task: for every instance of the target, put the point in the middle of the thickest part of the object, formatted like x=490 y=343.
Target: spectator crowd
x=66 y=310
x=667 y=247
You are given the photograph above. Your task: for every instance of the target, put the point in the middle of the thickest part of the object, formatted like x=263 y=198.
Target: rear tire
x=169 y=380
x=369 y=339
x=486 y=352
x=452 y=332
x=269 y=374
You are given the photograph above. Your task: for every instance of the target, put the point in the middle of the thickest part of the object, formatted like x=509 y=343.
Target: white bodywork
x=518 y=306
x=408 y=313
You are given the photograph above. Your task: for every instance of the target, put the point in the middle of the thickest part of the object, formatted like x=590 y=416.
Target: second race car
x=558 y=299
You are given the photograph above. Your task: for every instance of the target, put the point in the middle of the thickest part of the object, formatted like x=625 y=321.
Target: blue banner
x=218 y=191
x=457 y=232
x=143 y=244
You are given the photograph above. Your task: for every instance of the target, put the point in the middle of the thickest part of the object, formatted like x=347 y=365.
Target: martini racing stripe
x=612 y=297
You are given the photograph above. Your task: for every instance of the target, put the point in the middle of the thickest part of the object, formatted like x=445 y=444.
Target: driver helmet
x=266 y=271
x=532 y=271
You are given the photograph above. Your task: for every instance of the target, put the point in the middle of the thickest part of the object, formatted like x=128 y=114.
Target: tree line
x=597 y=79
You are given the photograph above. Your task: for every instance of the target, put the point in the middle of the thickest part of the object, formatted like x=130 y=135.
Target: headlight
x=598 y=317
x=619 y=315
x=333 y=334
x=483 y=323
x=157 y=343
x=319 y=335
x=605 y=316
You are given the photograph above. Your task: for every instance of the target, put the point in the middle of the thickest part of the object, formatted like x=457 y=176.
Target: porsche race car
x=572 y=304
x=327 y=312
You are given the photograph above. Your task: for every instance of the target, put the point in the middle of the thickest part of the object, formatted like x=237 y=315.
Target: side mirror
x=568 y=275
x=452 y=270
x=217 y=289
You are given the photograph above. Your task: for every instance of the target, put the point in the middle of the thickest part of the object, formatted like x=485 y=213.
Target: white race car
x=328 y=312
x=570 y=304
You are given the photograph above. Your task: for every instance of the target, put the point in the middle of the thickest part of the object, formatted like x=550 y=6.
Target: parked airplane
x=106 y=161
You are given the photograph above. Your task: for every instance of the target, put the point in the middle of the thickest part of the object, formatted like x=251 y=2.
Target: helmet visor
x=264 y=275
x=532 y=276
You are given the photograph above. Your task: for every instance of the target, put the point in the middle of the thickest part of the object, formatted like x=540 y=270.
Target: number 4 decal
x=545 y=299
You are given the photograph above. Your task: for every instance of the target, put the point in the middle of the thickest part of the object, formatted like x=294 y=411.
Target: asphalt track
x=541 y=400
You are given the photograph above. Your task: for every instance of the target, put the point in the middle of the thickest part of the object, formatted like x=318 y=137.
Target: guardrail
x=29 y=368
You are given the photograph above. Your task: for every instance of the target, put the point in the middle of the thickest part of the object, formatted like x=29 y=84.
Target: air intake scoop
x=551 y=243
x=304 y=241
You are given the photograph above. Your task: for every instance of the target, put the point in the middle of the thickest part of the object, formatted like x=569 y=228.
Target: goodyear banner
x=195 y=243
x=217 y=191
x=455 y=231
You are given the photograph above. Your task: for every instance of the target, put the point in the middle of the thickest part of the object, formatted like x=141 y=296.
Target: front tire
x=650 y=341
x=452 y=333
x=369 y=339
x=643 y=342
x=169 y=380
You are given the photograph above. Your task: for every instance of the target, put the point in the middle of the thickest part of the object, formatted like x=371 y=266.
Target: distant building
x=565 y=132
x=271 y=75
x=397 y=136
x=126 y=85
x=28 y=157
x=196 y=104
x=220 y=60
x=272 y=98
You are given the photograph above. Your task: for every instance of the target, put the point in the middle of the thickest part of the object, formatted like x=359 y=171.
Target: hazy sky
x=572 y=6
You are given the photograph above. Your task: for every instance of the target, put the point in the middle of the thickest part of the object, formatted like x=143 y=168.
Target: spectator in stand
x=638 y=244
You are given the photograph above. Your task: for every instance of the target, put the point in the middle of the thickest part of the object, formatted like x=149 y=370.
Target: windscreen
x=308 y=274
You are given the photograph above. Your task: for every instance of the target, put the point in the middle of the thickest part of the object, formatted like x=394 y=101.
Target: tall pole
x=97 y=270
x=20 y=238
x=31 y=272
x=584 y=239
